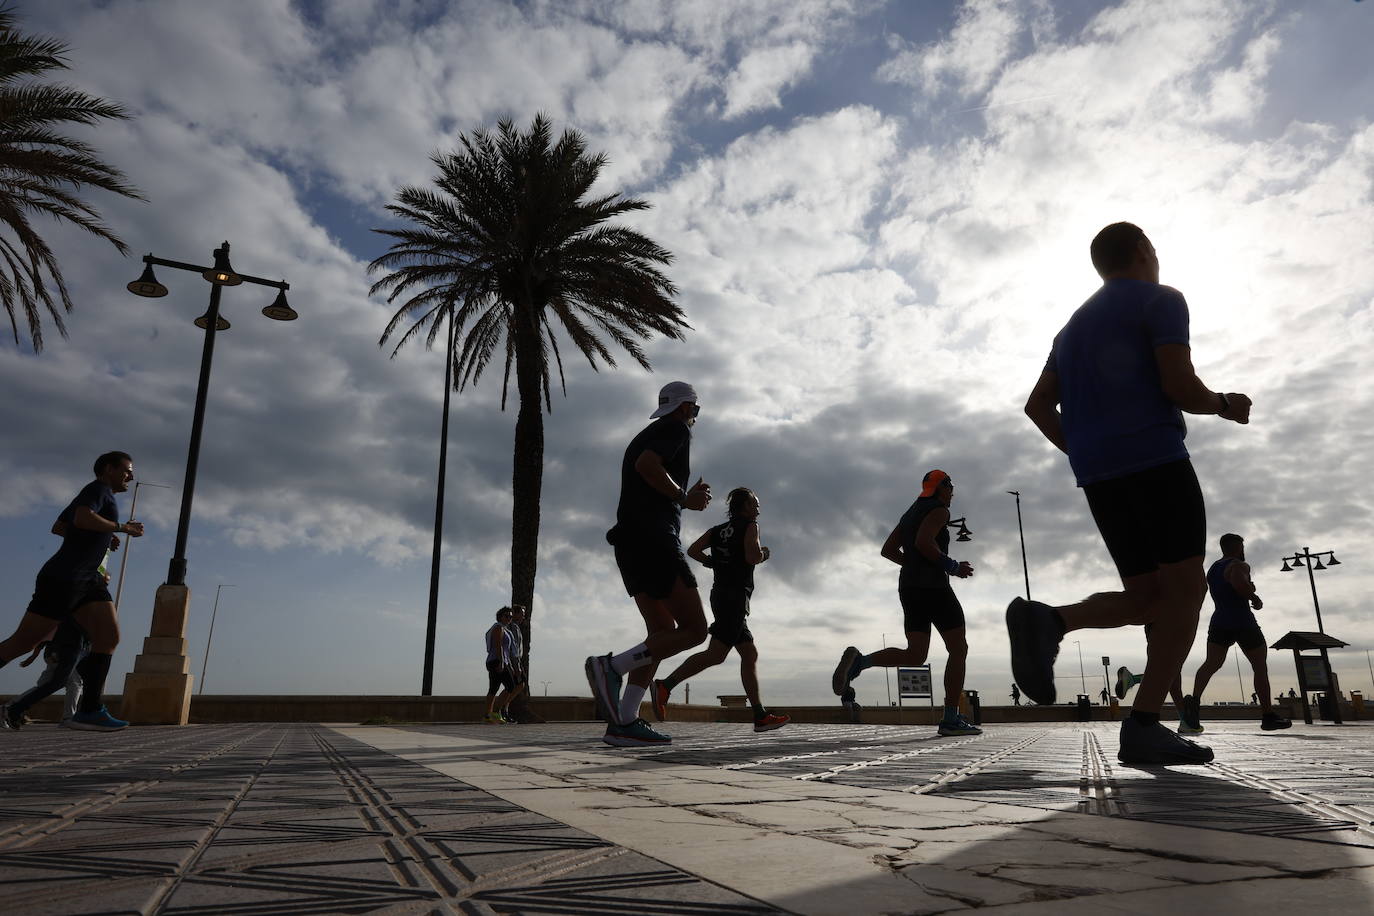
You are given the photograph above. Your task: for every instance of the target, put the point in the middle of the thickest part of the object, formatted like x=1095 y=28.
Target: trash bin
x=975 y=707
x=1324 y=709
x=1357 y=703
x=1085 y=708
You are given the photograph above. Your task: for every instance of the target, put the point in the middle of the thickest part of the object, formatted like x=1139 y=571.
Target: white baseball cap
x=672 y=396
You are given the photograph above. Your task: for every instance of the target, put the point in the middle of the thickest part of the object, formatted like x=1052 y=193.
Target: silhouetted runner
x=500 y=669
x=735 y=551
x=918 y=544
x=1233 y=623
x=647 y=538
x=1122 y=371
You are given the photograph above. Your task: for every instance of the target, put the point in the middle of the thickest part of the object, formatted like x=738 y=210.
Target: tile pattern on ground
x=294 y=819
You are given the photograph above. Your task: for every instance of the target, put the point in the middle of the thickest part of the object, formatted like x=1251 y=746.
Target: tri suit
x=923 y=586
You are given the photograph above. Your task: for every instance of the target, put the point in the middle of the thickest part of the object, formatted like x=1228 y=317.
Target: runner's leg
x=957 y=643
x=1216 y=657
x=33 y=629
x=749 y=673
x=1260 y=663
x=101 y=623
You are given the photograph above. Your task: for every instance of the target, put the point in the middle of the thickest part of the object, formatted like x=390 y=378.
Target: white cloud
x=762 y=75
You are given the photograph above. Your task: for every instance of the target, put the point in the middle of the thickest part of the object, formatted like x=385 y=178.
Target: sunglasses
x=696 y=409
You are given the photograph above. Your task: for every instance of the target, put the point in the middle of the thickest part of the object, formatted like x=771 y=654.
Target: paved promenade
x=845 y=819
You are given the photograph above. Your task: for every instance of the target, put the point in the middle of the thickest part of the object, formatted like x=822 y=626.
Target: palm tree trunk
x=527 y=481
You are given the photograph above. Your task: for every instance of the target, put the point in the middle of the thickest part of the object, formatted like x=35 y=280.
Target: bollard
x=1085 y=708
x=975 y=706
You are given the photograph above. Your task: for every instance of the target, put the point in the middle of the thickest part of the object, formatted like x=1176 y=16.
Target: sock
x=630 y=698
x=861 y=663
x=951 y=713
x=1059 y=622
x=1145 y=718
x=759 y=710
x=631 y=659
x=93 y=670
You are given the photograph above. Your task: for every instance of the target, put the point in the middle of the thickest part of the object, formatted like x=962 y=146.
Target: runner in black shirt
x=648 y=551
x=70 y=585
x=918 y=544
x=735 y=551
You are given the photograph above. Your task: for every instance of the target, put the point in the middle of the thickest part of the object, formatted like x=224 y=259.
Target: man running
x=70 y=586
x=647 y=538
x=1233 y=623
x=1123 y=371
x=735 y=551
x=918 y=545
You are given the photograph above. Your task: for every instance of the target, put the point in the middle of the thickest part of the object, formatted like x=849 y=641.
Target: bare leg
x=32 y=630
x=714 y=653
x=748 y=671
x=1259 y=661
x=1216 y=657
x=957 y=645
x=675 y=624
x=917 y=648
x=101 y=623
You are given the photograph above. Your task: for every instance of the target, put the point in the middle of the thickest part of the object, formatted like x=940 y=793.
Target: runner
x=735 y=551
x=918 y=546
x=1233 y=623
x=1123 y=371
x=61 y=654
x=70 y=586
x=647 y=538
x=1125 y=680
x=500 y=675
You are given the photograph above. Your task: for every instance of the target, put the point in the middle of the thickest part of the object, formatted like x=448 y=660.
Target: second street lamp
x=1312 y=561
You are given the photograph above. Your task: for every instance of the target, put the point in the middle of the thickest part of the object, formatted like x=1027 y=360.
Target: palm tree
x=42 y=172
x=509 y=247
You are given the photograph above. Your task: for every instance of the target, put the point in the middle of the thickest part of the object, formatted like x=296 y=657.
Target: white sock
x=630 y=698
x=631 y=659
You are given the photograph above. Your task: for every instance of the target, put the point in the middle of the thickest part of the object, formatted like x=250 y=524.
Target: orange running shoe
x=658 y=696
x=770 y=722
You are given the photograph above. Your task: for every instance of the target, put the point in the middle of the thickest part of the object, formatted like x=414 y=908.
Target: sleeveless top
x=727 y=555
x=1232 y=609
x=918 y=570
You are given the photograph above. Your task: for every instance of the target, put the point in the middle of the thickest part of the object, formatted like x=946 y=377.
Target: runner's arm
x=87 y=520
x=698 y=550
x=649 y=465
x=892 y=547
x=1043 y=409
x=925 y=535
x=1238 y=577
x=753 y=552
x=1181 y=385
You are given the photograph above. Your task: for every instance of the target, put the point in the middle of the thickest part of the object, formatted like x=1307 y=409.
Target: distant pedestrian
x=1292 y=693
x=1122 y=370
x=647 y=538
x=520 y=695
x=1106 y=698
x=918 y=544
x=500 y=674
x=1015 y=695
x=61 y=655
x=70 y=586
x=735 y=550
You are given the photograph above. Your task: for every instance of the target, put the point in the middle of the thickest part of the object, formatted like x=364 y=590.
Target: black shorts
x=922 y=607
x=56 y=599
x=730 y=607
x=1150 y=517
x=652 y=566
x=1247 y=636
x=497 y=678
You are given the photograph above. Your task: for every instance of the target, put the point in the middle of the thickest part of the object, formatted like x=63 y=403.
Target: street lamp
x=1082 y=675
x=129 y=542
x=205 y=664
x=964 y=534
x=220 y=275
x=546 y=687
x=1312 y=561
x=1025 y=570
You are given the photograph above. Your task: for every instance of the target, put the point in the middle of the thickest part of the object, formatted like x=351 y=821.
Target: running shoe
x=658 y=696
x=958 y=726
x=1192 y=714
x=839 y=681
x=1155 y=744
x=98 y=721
x=1035 y=637
x=771 y=721
x=1124 y=682
x=7 y=722
x=635 y=734
x=1187 y=728
x=493 y=718
x=605 y=684
x=1272 y=722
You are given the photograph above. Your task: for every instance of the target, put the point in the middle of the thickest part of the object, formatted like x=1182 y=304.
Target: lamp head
x=1333 y=561
x=1318 y=564
x=146 y=285
x=221 y=323
x=222 y=274
x=279 y=310
x=1286 y=567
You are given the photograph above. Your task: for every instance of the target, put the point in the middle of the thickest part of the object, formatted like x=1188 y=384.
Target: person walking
x=518 y=709
x=500 y=674
x=734 y=552
x=69 y=585
x=647 y=538
x=1122 y=370
x=1233 y=623
x=1015 y=695
x=918 y=544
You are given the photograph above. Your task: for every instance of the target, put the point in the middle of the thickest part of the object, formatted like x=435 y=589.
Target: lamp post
x=206 y=664
x=1312 y=561
x=1025 y=570
x=1082 y=675
x=158 y=690
x=546 y=687
x=128 y=542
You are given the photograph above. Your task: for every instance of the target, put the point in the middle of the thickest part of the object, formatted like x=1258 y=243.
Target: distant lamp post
x=1312 y=561
x=129 y=542
x=546 y=686
x=1025 y=570
x=158 y=690
x=213 y=614
x=1082 y=675
x=963 y=534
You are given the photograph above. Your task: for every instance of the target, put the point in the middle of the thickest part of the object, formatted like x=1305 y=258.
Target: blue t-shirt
x=83 y=551
x=1117 y=419
x=643 y=511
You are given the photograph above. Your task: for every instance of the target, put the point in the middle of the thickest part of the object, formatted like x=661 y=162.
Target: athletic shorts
x=1248 y=636
x=924 y=607
x=498 y=677
x=56 y=599
x=730 y=607
x=652 y=566
x=1150 y=517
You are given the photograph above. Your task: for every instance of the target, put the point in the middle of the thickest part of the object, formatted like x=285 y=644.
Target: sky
x=880 y=216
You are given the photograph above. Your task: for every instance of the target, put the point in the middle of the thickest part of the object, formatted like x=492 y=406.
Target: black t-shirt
x=727 y=555
x=643 y=510
x=918 y=570
x=82 y=551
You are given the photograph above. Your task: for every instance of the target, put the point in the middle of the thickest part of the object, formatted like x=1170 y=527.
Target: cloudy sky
x=880 y=215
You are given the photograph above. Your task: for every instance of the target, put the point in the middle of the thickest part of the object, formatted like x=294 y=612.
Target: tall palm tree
x=42 y=172
x=509 y=244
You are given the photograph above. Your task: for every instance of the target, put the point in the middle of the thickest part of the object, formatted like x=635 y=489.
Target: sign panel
x=914 y=683
x=1106 y=661
x=1311 y=673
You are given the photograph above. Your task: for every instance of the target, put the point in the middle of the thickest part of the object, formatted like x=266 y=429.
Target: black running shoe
x=1035 y=637
x=1192 y=714
x=839 y=681
x=1272 y=722
x=1124 y=682
x=1155 y=744
x=10 y=721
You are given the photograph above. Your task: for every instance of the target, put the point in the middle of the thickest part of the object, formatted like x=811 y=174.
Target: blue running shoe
x=950 y=728
x=636 y=734
x=98 y=721
x=605 y=684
